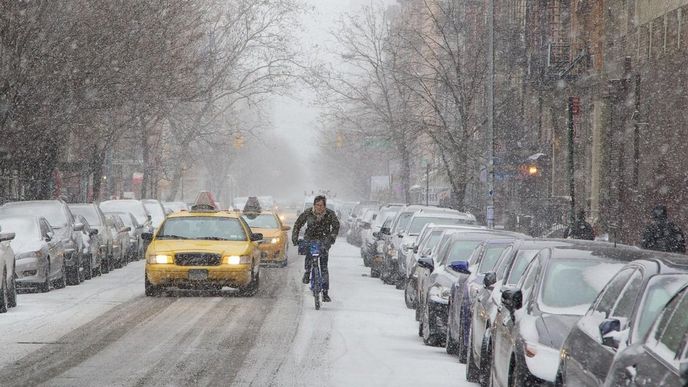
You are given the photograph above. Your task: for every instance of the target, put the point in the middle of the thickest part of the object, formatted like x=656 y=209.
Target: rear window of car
x=461 y=250
x=571 y=285
x=659 y=291
x=261 y=221
x=87 y=212
x=490 y=258
x=202 y=228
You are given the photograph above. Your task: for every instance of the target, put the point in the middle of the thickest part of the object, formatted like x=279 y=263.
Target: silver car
x=39 y=255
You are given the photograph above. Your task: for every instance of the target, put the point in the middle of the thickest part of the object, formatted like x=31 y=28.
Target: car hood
x=20 y=246
x=216 y=247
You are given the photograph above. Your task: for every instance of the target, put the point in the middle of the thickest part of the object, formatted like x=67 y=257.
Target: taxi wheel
x=252 y=288
x=151 y=290
x=285 y=262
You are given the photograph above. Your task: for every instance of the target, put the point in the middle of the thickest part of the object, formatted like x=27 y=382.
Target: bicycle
x=316 y=281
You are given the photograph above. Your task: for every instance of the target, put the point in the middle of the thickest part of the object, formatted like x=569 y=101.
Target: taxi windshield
x=261 y=221
x=202 y=228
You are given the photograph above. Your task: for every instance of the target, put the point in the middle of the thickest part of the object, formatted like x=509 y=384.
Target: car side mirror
x=607 y=329
x=93 y=232
x=6 y=236
x=512 y=299
x=365 y=226
x=138 y=226
x=415 y=249
x=125 y=229
x=256 y=236
x=400 y=235
x=47 y=238
x=460 y=266
x=78 y=226
x=426 y=263
x=385 y=230
x=286 y=228
x=149 y=217
x=490 y=279
x=147 y=236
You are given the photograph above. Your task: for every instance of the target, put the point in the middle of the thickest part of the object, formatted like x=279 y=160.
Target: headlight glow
x=274 y=241
x=160 y=259
x=237 y=260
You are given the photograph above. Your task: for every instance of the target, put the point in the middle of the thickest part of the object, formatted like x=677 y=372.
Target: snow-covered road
x=106 y=332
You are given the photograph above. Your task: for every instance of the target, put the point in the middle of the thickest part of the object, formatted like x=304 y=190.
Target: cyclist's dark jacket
x=325 y=229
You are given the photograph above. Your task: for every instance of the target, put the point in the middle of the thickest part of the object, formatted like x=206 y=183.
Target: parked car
x=485 y=258
x=121 y=241
x=96 y=220
x=156 y=210
x=175 y=206
x=8 y=286
x=136 y=208
x=557 y=288
x=661 y=357
x=453 y=258
x=365 y=225
x=135 y=251
x=369 y=244
x=66 y=229
x=424 y=247
x=620 y=316
x=39 y=255
x=91 y=250
x=507 y=273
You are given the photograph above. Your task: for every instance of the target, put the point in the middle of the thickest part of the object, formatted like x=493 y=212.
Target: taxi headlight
x=159 y=259
x=237 y=260
x=274 y=241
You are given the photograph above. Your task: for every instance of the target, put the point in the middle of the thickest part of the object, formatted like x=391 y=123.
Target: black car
x=462 y=294
x=620 y=316
x=557 y=288
x=507 y=273
x=454 y=265
x=661 y=358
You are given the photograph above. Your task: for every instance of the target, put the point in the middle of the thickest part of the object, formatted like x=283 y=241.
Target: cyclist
x=321 y=225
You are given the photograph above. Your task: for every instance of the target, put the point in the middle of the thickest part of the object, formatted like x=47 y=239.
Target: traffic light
x=239 y=141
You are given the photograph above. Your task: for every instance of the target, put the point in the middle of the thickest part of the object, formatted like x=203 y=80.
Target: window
x=673 y=326
x=611 y=292
x=660 y=289
x=528 y=281
x=627 y=300
x=202 y=228
x=503 y=265
x=523 y=258
x=261 y=221
x=490 y=258
x=461 y=251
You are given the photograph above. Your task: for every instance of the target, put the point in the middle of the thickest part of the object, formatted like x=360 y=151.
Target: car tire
x=73 y=275
x=45 y=286
x=485 y=363
x=451 y=346
x=472 y=371
x=252 y=288
x=61 y=282
x=462 y=350
x=105 y=264
x=429 y=337
x=285 y=263
x=12 y=293
x=374 y=273
x=401 y=283
x=151 y=290
x=88 y=271
x=409 y=294
x=3 y=293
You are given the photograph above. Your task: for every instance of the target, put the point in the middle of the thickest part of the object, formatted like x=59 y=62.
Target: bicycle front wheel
x=316 y=296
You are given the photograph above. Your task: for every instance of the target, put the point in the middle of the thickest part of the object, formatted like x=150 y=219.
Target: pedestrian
x=662 y=234
x=580 y=229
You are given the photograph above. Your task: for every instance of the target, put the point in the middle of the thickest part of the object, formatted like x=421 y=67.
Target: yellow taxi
x=275 y=242
x=203 y=248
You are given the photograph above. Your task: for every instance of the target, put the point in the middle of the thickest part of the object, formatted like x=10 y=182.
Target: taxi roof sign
x=205 y=201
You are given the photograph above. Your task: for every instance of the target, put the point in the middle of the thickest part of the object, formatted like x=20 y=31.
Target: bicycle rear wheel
x=317 y=286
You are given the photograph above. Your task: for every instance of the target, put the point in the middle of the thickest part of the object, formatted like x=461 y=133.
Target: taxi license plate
x=198 y=275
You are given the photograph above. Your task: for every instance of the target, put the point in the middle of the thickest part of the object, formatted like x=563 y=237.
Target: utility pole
x=427 y=183
x=570 y=164
x=489 y=211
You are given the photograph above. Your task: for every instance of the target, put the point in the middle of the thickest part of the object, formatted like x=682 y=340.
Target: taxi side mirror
x=256 y=236
x=147 y=236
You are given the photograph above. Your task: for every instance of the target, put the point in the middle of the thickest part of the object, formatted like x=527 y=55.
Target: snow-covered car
x=39 y=255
